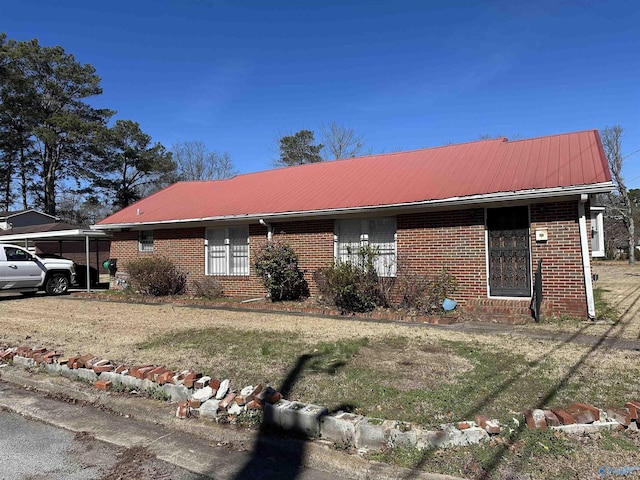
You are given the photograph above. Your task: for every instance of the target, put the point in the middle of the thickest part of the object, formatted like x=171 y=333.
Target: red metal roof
x=467 y=170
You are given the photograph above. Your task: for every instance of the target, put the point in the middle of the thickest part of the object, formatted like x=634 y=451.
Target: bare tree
x=619 y=201
x=341 y=141
x=196 y=162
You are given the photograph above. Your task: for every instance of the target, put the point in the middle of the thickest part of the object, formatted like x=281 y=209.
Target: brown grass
x=384 y=366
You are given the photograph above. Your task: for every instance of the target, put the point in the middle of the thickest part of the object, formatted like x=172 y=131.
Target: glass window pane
x=348 y=232
x=217 y=264
x=145 y=241
x=382 y=237
x=239 y=251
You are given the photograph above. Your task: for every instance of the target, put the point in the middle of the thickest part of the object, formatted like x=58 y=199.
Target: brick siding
x=74 y=250
x=426 y=243
x=563 y=288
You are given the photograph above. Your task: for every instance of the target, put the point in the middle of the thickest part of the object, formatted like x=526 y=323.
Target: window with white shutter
x=228 y=251
x=378 y=233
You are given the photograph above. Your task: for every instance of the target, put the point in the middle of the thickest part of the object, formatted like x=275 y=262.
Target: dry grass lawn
x=396 y=371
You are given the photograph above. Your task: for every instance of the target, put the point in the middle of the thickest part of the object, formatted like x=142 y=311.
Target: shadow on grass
x=491 y=467
x=283 y=457
x=279 y=456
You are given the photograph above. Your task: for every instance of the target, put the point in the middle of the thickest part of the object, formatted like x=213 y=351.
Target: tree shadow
x=278 y=455
x=272 y=456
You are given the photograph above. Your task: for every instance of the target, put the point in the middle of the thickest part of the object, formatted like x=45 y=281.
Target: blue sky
x=404 y=74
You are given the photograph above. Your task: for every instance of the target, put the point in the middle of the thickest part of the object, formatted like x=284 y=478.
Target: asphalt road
x=30 y=449
x=69 y=440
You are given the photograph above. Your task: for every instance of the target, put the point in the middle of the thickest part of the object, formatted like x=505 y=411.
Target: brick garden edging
x=203 y=396
x=284 y=307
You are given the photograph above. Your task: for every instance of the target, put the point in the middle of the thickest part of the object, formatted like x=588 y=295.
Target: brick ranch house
x=487 y=211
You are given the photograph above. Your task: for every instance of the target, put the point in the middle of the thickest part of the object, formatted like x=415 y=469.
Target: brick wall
x=431 y=241
x=427 y=242
x=312 y=241
x=563 y=289
x=74 y=250
x=455 y=240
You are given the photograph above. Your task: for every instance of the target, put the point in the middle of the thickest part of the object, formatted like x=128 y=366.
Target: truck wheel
x=57 y=284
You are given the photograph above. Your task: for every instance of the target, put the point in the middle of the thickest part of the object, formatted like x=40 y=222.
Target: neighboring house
x=24 y=218
x=487 y=211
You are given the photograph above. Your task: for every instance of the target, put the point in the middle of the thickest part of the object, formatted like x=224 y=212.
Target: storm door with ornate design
x=509 y=255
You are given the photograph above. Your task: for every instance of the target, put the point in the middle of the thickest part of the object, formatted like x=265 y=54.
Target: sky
x=403 y=74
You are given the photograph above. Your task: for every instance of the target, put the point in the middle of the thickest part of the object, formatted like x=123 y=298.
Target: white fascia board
x=519 y=195
x=53 y=235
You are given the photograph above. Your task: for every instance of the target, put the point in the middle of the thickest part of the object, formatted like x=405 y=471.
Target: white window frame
x=365 y=231
x=597 y=232
x=145 y=241
x=227 y=247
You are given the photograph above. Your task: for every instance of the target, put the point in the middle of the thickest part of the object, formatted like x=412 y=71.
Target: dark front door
x=509 y=256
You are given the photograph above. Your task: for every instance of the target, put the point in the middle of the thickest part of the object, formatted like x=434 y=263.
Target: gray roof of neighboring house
x=8 y=214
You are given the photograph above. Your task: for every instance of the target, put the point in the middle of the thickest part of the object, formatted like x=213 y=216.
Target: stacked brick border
x=204 y=396
x=390 y=315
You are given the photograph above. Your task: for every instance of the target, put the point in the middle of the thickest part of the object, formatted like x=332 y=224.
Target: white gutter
x=586 y=259
x=269 y=229
x=447 y=202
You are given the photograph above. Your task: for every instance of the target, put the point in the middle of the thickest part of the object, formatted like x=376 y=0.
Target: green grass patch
x=233 y=343
x=522 y=451
x=251 y=356
x=396 y=377
x=604 y=310
x=615 y=441
x=499 y=382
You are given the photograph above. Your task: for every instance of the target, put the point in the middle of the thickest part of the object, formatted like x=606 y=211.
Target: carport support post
x=86 y=251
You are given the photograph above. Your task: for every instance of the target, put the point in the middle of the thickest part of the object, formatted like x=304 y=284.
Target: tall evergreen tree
x=43 y=92
x=131 y=165
x=299 y=148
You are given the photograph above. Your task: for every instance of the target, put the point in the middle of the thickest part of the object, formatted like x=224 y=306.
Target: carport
x=58 y=233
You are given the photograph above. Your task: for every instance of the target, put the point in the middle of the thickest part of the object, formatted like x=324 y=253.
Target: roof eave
x=534 y=194
x=53 y=234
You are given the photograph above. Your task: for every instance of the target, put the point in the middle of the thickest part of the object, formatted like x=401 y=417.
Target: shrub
x=352 y=286
x=156 y=275
x=421 y=293
x=277 y=264
x=207 y=287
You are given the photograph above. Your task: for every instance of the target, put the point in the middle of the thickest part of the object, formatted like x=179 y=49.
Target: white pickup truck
x=26 y=273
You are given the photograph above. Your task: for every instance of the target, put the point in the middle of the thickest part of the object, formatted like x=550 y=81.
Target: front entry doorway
x=509 y=252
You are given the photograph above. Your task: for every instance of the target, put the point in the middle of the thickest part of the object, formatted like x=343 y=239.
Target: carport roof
x=49 y=231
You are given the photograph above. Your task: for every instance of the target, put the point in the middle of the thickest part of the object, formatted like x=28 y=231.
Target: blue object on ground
x=449 y=304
